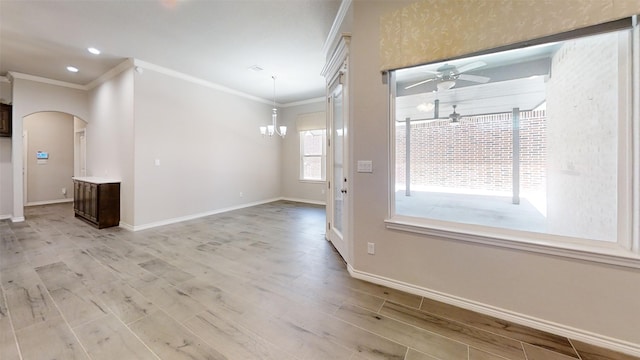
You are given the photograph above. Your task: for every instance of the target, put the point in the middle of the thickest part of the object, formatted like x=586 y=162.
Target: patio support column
x=407 y=166
x=516 y=156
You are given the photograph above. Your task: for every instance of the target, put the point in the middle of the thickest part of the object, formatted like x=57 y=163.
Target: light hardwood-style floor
x=256 y=283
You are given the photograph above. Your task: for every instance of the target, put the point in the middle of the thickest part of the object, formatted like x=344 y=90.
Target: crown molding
x=335 y=27
x=304 y=102
x=127 y=64
x=176 y=74
x=141 y=65
x=17 y=75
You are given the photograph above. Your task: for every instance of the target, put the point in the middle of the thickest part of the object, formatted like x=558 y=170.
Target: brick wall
x=583 y=116
x=477 y=154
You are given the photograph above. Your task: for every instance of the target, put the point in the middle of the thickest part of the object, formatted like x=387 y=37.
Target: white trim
x=304 y=102
x=17 y=75
x=335 y=27
x=625 y=251
x=338 y=58
x=635 y=141
x=127 y=64
x=48 y=202
x=17 y=219
x=5 y=217
x=305 y=201
x=607 y=253
x=312 y=181
x=196 y=80
x=194 y=216
x=126 y=226
x=504 y=314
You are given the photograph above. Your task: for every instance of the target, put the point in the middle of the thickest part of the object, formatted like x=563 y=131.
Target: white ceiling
x=214 y=40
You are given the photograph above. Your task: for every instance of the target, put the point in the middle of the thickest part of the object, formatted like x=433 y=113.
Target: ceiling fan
x=446 y=75
x=454 y=117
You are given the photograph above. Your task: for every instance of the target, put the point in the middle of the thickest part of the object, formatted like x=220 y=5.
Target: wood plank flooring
x=256 y=283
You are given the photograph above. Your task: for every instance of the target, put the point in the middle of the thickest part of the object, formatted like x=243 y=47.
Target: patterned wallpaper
x=432 y=30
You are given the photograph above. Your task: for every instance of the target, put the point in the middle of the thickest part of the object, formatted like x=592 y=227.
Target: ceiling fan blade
x=419 y=83
x=474 y=78
x=471 y=66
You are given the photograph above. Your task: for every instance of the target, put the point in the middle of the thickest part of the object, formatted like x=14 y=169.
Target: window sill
x=312 y=181
x=606 y=253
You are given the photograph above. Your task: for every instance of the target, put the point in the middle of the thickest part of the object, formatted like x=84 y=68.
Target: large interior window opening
x=528 y=141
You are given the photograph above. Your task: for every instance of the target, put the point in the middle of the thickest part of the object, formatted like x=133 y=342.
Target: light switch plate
x=365 y=166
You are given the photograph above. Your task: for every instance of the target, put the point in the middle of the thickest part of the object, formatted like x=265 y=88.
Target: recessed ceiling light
x=72 y=69
x=94 y=51
x=255 y=68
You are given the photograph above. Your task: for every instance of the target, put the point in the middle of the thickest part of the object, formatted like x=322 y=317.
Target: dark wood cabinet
x=97 y=201
x=5 y=120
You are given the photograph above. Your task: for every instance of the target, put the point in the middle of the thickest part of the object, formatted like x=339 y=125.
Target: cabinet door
x=86 y=200
x=93 y=202
x=78 y=197
x=5 y=120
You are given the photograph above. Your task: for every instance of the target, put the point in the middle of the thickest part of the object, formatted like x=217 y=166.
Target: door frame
x=25 y=166
x=80 y=152
x=336 y=72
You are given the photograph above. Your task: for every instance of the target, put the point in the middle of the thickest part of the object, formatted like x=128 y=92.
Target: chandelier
x=273 y=128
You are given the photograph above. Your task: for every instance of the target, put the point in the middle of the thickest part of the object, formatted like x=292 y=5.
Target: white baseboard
x=305 y=201
x=17 y=219
x=48 y=202
x=540 y=324
x=193 y=216
x=5 y=217
x=126 y=226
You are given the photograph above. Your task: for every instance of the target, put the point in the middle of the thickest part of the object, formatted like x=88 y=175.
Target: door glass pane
x=338 y=176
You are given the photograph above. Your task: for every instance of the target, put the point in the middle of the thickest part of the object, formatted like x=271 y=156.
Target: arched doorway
x=54 y=149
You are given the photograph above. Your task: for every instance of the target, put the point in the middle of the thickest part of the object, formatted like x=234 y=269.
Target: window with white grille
x=312 y=155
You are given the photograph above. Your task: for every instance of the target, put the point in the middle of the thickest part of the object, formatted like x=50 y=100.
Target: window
x=312 y=155
x=532 y=144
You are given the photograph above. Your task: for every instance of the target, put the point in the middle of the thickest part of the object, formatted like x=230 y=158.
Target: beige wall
x=30 y=97
x=6 y=179
x=6 y=96
x=51 y=132
x=209 y=147
x=292 y=187
x=6 y=171
x=588 y=298
x=109 y=136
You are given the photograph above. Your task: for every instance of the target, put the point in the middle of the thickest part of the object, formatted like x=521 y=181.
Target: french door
x=338 y=201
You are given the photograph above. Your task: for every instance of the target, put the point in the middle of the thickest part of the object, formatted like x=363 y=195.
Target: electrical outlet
x=241 y=194
x=64 y=191
x=371 y=248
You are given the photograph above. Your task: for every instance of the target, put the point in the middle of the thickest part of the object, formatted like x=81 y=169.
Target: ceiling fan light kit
x=445 y=85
